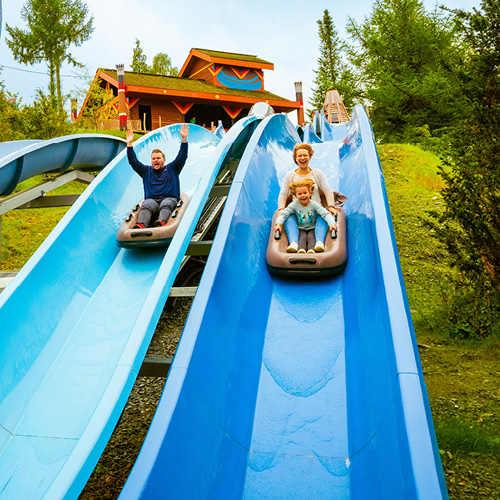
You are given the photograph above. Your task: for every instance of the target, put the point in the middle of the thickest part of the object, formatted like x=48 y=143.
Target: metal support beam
x=155 y=367
x=199 y=248
x=176 y=291
x=22 y=198
x=183 y=291
x=56 y=200
x=5 y=278
x=219 y=190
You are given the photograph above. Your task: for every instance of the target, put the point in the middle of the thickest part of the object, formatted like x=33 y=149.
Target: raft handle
x=137 y=234
x=307 y=260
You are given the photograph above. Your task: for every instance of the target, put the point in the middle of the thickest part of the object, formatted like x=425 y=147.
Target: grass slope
x=461 y=378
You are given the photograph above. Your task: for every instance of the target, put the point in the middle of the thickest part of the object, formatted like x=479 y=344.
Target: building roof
x=217 y=54
x=225 y=58
x=182 y=88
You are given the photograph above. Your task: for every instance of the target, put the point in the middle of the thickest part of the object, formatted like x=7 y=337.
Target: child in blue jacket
x=306 y=212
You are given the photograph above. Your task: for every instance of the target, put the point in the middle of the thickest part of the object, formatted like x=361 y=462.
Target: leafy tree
x=407 y=60
x=11 y=123
x=53 y=27
x=162 y=64
x=469 y=225
x=332 y=72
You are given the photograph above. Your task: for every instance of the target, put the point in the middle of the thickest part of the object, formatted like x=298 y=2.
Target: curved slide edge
x=20 y=160
x=220 y=432
x=79 y=316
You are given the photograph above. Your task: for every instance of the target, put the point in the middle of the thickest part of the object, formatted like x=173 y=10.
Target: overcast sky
x=284 y=33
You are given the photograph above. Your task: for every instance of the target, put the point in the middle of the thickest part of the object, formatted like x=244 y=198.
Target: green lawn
x=23 y=231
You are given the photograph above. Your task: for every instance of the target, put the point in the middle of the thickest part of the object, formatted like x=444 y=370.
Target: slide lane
x=285 y=388
x=78 y=318
x=20 y=160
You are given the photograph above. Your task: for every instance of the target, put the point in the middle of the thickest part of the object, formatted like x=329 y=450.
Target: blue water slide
x=20 y=160
x=310 y=136
x=284 y=388
x=77 y=320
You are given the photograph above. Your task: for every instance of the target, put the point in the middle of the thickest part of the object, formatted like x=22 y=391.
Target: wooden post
x=122 y=103
x=300 y=100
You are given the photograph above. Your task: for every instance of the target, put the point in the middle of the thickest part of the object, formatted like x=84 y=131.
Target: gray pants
x=307 y=239
x=156 y=210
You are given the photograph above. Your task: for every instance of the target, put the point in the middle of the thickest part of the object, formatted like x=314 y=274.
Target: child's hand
x=277 y=227
x=333 y=228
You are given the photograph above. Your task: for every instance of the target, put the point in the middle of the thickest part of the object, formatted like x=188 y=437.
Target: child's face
x=303 y=194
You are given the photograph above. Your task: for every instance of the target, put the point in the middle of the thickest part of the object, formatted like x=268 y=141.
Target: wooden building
x=211 y=87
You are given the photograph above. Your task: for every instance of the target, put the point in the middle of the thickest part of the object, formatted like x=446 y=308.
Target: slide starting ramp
x=77 y=320
x=285 y=388
x=20 y=160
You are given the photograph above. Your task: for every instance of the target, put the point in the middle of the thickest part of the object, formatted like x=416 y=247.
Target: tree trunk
x=58 y=88
x=52 y=83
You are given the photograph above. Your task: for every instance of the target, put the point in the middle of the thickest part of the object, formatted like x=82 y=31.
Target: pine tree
x=470 y=224
x=139 y=61
x=332 y=72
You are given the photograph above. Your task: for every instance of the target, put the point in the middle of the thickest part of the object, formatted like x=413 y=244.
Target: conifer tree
x=139 y=61
x=332 y=71
x=469 y=226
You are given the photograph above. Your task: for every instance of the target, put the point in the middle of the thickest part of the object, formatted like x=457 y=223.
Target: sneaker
x=139 y=226
x=311 y=251
x=320 y=247
x=160 y=223
x=292 y=247
x=302 y=250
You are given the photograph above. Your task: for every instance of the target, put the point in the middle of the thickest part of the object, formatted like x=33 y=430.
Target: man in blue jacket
x=161 y=182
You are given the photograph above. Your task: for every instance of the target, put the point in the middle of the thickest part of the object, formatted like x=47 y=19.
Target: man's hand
x=130 y=138
x=184 y=130
x=333 y=210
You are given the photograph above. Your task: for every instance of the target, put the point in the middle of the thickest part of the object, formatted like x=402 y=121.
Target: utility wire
x=36 y=72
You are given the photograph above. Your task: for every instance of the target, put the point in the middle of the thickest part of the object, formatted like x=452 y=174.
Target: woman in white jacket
x=302 y=154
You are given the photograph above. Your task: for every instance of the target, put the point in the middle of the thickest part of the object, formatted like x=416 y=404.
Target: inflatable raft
x=331 y=261
x=128 y=237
